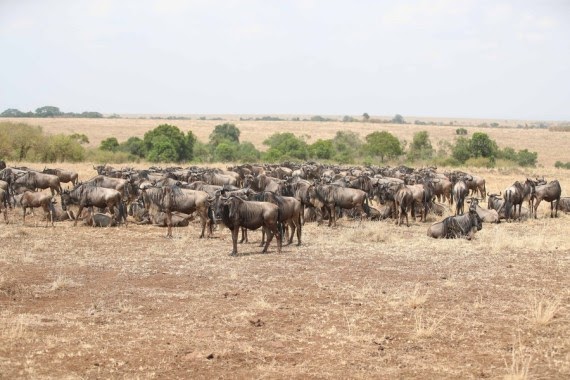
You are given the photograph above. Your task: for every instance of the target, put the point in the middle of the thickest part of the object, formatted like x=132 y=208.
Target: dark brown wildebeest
x=551 y=193
x=403 y=201
x=32 y=199
x=495 y=202
x=98 y=219
x=515 y=195
x=330 y=197
x=64 y=176
x=219 y=179
x=120 y=184
x=2 y=165
x=236 y=212
x=169 y=199
x=203 y=186
x=459 y=192
x=290 y=213
x=459 y=226
x=476 y=185
x=85 y=195
x=442 y=189
x=35 y=180
x=158 y=218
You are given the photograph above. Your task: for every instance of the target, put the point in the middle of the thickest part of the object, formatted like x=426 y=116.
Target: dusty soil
x=368 y=300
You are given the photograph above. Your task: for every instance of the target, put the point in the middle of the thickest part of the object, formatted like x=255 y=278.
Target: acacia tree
x=421 y=147
x=382 y=144
x=166 y=143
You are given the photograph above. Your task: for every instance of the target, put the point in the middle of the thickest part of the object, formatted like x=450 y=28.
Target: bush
x=322 y=149
x=103 y=156
x=421 y=148
x=166 y=143
x=562 y=165
x=481 y=162
x=111 y=144
x=285 y=144
x=526 y=158
x=461 y=131
x=382 y=144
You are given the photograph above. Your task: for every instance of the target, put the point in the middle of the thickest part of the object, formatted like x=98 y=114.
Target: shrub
x=461 y=131
x=562 y=165
x=421 y=148
x=481 y=162
x=526 y=158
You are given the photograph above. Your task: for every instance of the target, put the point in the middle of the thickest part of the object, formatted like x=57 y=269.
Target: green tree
x=461 y=131
x=134 y=145
x=247 y=152
x=285 y=145
x=224 y=132
x=12 y=112
x=226 y=151
x=382 y=144
x=322 y=149
x=110 y=144
x=80 y=138
x=461 y=150
x=365 y=116
x=61 y=148
x=526 y=158
x=482 y=146
x=398 y=119
x=48 y=111
x=421 y=148
x=166 y=143
x=347 y=146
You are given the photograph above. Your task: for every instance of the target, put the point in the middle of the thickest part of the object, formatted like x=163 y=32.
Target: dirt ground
x=368 y=300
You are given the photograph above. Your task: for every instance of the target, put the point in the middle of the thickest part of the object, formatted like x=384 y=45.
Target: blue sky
x=446 y=58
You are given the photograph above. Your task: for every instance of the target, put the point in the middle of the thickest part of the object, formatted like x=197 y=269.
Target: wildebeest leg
x=290 y=231
x=243 y=235
x=555 y=207
x=332 y=215
x=262 y=237
x=536 y=207
x=269 y=233
x=235 y=232
x=169 y=223
x=299 y=232
x=24 y=217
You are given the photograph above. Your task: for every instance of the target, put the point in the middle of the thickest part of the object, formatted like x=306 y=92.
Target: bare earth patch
x=365 y=301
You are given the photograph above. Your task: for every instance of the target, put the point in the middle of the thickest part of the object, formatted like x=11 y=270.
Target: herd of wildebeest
x=279 y=199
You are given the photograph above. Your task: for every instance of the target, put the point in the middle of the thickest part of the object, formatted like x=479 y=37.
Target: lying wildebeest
x=454 y=227
x=330 y=197
x=563 y=204
x=31 y=199
x=495 y=202
x=551 y=193
x=35 y=180
x=515 y=195
x=85 y=195
x=97 y=219
x=486 y=215
x=158 y=218
x=236 y=212
x=169 y=199
x=64 y=176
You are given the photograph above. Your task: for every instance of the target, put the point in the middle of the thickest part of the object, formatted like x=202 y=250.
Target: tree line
x=49 y=111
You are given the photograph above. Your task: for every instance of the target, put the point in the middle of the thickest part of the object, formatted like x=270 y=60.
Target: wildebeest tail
x=280 y=226
x=122 y=213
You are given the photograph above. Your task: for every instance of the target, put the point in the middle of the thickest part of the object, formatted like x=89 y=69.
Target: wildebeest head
x=65 y=199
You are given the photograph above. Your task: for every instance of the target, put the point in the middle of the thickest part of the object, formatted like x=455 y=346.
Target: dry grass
x=543 y=311
x=519 y=366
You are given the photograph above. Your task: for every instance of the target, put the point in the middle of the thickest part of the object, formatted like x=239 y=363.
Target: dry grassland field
x=369 y=300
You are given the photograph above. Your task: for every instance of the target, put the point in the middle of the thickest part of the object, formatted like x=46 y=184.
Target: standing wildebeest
x=290 y=212
x=85 y=195
x=4 y=204
x=460 y=191
x=476 y=185
x=454 y=227
x=332 y=196
x=236 y=212
x=403 y=201
x=551 y=193
x=119 y=184
x=31 y=199
x=515 y=195
x=64 y=176
x=35 y=180
x=170 y=199
x=219 y=179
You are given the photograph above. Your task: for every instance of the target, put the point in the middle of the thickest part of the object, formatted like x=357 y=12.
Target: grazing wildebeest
x=563 y=204
x=236 y=212
x=32 y=199
x=515 y=195
x=486 y=215
x=290 y=213
x=64 y=176
x=35 y=180
x=551 y=193
x=85 y=195
x=454 y=227
x=330 y=197
x=170 y=199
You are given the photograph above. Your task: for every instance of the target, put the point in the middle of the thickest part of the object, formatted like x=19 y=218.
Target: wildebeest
x=219 y=179
x=476 y=185
x=120 y=184
x=459 y=192
x=158 y=218
x=85 y=195
x=403 y=201
x=64 y=176
x=515 y=195
x=486 y=215
x=32 y=199
x=236 y=212
x=459 y=226
x=98 y=219
x=551 y=193
x=170 y=199
x=332 y=196
x=290 y=212
x=35 y=180
x=4 y=204
x=563 y=204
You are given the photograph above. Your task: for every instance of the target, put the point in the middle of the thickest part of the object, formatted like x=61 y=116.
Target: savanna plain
x=362 y=300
